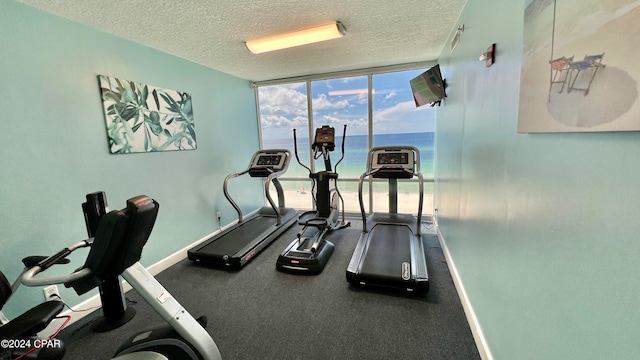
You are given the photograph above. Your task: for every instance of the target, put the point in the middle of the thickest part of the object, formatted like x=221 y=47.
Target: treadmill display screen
x=393 y=158
x=269 y=160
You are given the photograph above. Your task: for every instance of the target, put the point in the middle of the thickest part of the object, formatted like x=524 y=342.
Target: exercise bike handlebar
x=28 y=277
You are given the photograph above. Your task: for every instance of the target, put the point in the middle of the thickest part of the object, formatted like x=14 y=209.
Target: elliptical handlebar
x=295 y=148
x=344 y=136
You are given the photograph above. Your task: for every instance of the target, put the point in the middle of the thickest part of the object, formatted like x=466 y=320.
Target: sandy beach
x=407 y=203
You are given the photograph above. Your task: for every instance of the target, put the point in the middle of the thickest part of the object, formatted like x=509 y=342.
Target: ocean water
x=356 y=148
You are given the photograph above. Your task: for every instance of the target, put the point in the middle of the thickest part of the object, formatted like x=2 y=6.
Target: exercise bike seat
x=30 y=322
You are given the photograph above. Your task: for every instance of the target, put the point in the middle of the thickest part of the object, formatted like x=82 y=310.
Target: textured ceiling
x=212 y=32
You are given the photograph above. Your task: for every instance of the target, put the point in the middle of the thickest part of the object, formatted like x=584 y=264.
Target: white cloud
x=321 y=103
x=352 y=124
x=404 y=117
x=390 y=95
x=394 y=112
x=282 y=100
x=282 y=121
x=363 y=98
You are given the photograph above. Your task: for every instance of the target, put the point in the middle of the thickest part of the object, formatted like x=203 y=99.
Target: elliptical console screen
x=325 y=137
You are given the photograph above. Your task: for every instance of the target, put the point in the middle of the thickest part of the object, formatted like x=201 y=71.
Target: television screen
x=428 y=87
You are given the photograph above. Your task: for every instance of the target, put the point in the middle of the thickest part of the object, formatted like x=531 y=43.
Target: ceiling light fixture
x=330 y=31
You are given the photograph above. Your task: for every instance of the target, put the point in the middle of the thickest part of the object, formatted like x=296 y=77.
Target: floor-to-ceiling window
x=378 y=109
x=338 y=102
x=284 y=108
x=397 y=121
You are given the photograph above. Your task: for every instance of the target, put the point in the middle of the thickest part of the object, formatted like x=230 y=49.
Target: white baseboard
x=476 y=329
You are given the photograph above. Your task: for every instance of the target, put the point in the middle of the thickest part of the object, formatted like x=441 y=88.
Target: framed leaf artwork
x=144 y=118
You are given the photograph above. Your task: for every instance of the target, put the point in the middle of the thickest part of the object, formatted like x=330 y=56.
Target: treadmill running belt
x=389 y=246
x=235 y=240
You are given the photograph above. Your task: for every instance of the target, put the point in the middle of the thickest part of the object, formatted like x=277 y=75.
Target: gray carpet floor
x=261 y=313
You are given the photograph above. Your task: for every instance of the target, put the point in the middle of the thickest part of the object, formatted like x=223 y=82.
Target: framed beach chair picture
x=579 y=76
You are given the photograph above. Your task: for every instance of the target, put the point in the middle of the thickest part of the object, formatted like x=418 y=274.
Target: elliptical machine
x=310 y=251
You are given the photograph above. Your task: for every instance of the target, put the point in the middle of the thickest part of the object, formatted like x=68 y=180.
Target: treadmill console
x=393 y=163
x=325 y=137
x=265 y=162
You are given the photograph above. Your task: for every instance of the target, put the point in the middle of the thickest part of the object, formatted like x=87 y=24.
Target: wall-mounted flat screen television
x=428 y=88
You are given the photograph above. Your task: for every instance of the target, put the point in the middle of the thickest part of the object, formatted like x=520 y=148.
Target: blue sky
x=344 y=101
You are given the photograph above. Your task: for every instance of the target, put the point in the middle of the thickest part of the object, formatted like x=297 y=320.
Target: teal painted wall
x=542 y=228
x=55 y=150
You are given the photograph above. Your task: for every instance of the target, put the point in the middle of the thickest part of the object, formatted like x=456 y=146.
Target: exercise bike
x=115 y=250
x=309 y=252
x=20 y=336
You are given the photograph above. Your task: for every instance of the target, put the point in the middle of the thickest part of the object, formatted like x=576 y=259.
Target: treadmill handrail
x=226 y=193
x=364 y=215
x=369 y=172
x=272 y=177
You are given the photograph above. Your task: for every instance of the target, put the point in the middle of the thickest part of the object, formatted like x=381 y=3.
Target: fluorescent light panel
x=296 y=38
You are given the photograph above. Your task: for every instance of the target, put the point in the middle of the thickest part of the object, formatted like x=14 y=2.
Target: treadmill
x=390 y=253
x=236 y=245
